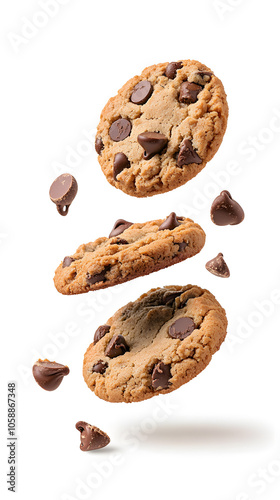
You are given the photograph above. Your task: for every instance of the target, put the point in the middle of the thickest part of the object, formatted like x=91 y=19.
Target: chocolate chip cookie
x=131 y=250
x=154 y=345
x=162 y=128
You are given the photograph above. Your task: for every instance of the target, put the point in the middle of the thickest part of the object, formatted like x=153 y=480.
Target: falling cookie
x=154 y=345
x=49 y=374
x=63 y=191
x=218 y=266
x=131 y=250
x=226 y=211
x=91 y=437
x=162 y=128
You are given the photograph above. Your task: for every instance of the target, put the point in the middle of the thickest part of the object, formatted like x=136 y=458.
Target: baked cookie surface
x=154 y=345
x=162 y=128
x=131 y=250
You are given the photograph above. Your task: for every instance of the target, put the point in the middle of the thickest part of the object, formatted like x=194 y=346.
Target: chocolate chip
x=218 y=267
x=100 y=332
x=120 y=241
x=99 y=146
x=181 y=328
x=100 y=367
x=226 y=211
x=171 y=70
x=187 y=154
x=182 y=246
x=120 y=162
x=206 y=75
x=119 y=227
x=92 y=438
x=152 y=143
x=160 y=376
x=116 y=347
x=170 y=222
x=67 y=261
x=49 y=374
x=120 y=130
x=141 y=92
x=63 y=191
x=189 y=92
x=95 y=278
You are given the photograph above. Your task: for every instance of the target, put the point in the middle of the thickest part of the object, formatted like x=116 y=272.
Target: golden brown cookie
x=162 y=128
x=131 y=250
x=154 y=345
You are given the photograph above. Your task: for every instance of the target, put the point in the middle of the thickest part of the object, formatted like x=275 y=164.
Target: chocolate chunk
x=218 y=267
x=141 y=92
x=120 y=129
x=95 y=278
x=119 y=227
x=171 y=70
x=63 y=191
x=182 y=246
x=120 y=162
x=116 y=347
x=187 y=154
x=189 y=92
x=120 y=241
x=100 y=367
x=206 y=75
x=181 y=328
x=49 y=374
x=100 y=332
x=152 y=143
x=92 y=438
x=160 y=376
x=99 y=146
x=67 y=261
x=170 y=222
x=226 y=211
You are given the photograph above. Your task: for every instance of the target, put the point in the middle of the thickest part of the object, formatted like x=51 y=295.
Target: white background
x=218 y=436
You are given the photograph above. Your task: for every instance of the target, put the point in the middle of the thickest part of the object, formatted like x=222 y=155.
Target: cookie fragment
x=92 y=438
x=226 y=211
x=49 y=374
x=218 y=266
x=63 y=191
